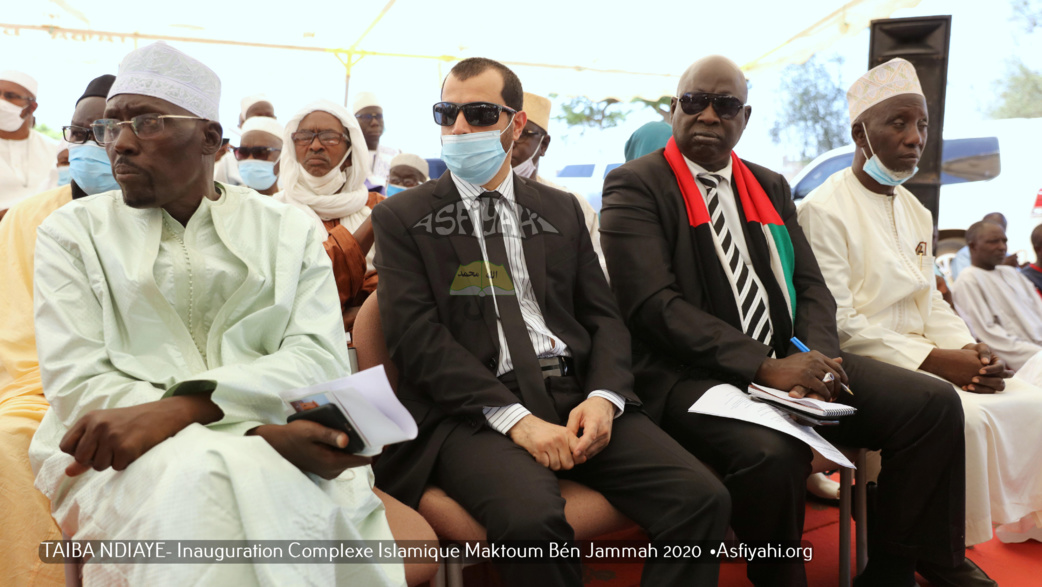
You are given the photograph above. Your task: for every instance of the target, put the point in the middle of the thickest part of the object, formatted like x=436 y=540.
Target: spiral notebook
x=806 y=405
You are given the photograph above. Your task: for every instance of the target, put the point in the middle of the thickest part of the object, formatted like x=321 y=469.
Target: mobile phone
x=330 y=416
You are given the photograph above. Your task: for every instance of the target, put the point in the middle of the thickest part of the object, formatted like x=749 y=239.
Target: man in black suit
x=512 y=356
x=669 y=221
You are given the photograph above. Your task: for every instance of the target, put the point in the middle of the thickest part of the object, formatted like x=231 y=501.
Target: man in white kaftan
x=872 y=239
x=28 y=163
x=168 y=318
x=1001 y=307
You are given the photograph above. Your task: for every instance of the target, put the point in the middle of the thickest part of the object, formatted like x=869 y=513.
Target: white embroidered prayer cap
x=538 y=110
x=415 y=161
x=364 y=100
x=893 y=78
x=160 y=71
x=23 y=79
x=263 y=124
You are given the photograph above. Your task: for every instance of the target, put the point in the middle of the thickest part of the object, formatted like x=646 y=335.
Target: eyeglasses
x=13 y=97
x=369 y=117
x=530 y=135
x=725 y=106
x=476 y=113
x=77 y=135
x=262 y=153
x=328 y=138
x=145 y=126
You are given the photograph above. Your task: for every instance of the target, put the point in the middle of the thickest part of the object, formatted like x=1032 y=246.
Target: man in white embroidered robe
x=1001 y=307
x=168 y=319
x=872 y=240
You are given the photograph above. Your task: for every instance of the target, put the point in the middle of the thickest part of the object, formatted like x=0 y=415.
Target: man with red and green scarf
x=714 y=277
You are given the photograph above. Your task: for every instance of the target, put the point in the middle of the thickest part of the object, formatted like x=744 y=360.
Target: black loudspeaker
x=923 y=41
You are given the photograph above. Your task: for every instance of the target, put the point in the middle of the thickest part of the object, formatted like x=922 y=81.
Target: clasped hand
x=803 y=375
x=562 y=447
x=973 y=368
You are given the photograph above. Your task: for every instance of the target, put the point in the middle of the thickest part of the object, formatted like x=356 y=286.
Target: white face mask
x=10 y=116
x=527 y=168
x=328 y=184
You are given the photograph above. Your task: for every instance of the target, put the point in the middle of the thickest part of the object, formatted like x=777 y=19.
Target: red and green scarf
x=767 y=240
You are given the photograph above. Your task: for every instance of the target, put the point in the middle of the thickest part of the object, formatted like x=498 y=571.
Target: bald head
x=710 y=71
x=996 y=218
x=709 y=112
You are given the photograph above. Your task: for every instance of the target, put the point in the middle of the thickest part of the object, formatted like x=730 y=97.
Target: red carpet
x=1011 y=565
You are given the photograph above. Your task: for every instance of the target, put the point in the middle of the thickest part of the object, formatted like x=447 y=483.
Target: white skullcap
x=23 y=79
x=263 y=124
x=250 y=101
x=364 y=100
x=160 y=71
x=409 y=160
x=893 y=78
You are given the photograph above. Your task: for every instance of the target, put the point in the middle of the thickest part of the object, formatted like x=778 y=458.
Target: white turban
x=160 y=71
x=263 y=124
x=893 y=78
x=23 y=79
x=415 y=161
x=348 y=204
x=364 y=100
x=250 y=101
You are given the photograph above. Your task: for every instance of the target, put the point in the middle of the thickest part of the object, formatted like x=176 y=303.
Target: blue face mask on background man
x=90 y=168
x=881 y=173
x=64 y=175
x=475 y=157
x=258 y=174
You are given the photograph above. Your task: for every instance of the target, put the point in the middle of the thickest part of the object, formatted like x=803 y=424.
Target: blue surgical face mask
x=475 y=157
x=259 y=175
x=394 y=189
x=90 y=168
x=64 y=175
x=881 y=173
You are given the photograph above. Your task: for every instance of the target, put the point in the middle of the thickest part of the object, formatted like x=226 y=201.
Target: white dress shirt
x=545 y=342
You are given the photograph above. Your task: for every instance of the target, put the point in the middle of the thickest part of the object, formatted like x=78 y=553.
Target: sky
x=660 y=40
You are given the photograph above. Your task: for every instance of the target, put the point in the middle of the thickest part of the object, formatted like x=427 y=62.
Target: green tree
x=582 y=111
x=1028 y=13
x=46 y=130
x=814 y=119
x=1020 y=94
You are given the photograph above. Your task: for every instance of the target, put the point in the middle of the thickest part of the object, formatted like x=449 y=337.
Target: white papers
x=368 y=401
x=727 y=401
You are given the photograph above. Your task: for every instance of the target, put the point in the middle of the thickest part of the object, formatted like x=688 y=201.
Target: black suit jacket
x=446 y=346
x=663 y=295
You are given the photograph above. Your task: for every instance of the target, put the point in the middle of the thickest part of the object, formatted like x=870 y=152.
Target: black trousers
x=642 y=472
x=915 y=420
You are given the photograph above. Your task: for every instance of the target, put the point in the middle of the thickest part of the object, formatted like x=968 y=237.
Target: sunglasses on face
x=262 y=153
x=328 y=138
x=725 y=106
x=369 y=117
x=476 y=113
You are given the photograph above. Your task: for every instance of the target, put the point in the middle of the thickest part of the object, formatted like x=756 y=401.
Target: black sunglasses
x=262 y=153
x=725 y=106
x=476 y=113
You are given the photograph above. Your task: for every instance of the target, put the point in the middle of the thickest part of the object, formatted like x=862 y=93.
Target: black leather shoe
x=966 y=574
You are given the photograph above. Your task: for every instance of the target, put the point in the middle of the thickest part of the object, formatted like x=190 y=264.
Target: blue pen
x=828 y=376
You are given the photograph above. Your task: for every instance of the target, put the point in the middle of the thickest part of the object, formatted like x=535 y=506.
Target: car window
x=967 y=160
x=821 y=173
x=576 y=171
